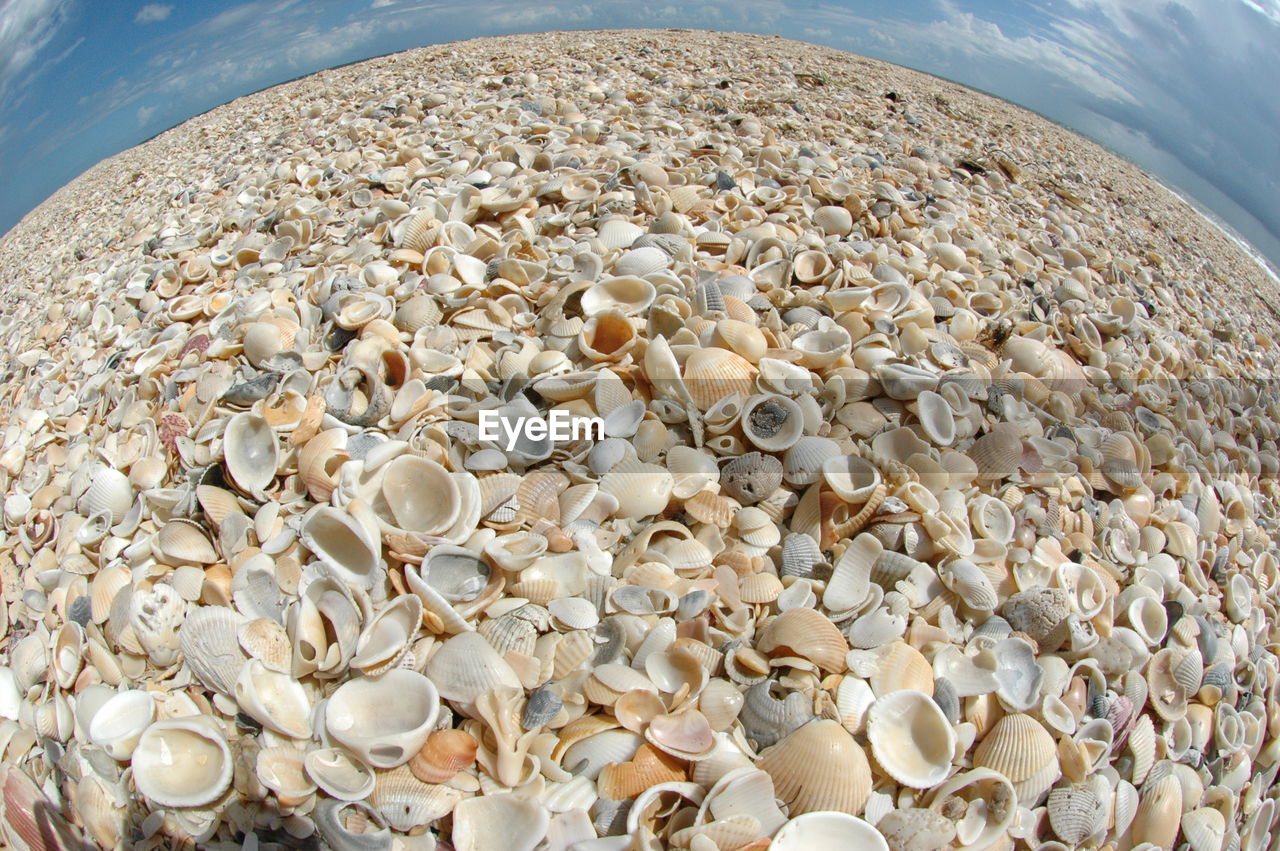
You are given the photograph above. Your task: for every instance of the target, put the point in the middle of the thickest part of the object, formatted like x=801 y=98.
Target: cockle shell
x=407 y=803
x=808 y=634
x=911 y=739
x=819 y=767
x=209 y=642
x=1022 y=750
x=466 y=666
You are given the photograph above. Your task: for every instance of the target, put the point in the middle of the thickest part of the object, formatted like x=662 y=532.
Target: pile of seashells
x=930 y=510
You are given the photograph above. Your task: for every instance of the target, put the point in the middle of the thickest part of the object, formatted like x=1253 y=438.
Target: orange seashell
x=649 y=767
x=819 y=767
x=445 y=753
x=806 y=633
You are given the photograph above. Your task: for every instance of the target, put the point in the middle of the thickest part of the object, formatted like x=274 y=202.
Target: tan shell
x=808 y=634
x=819 y=767
x=1022 y=750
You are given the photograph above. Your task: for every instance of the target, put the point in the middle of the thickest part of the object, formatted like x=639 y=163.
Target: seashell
x=343 y=544
x=982 y=804
x=275 y=700
x=1159 y=813
x=465 y=667
x=282 y=770
x=498 y=821
x=751 y=478
x=209 y=644
x=626 y=294
x=407 y=803
x=685 y=735
x=445 y=753
x=807 y=634
x=819 y=767
x=119 y=723
x=407 y=705
x=252 y=453
x=823 y=346
x=352 y=826
x=182 y=762
x=766 y=719
x=911 y=738
x=712 y=374
x=997 y=454
x=1076 y=812
x=772 y=423
x=183 y=542
x=416 y=495
x=386 y=638
x=851 y=577
x=1204 y=829
x=338 y=774
x=109 y=491
x=827 y=831
x=851 y=478
x=155 y=615
x=1023 y=751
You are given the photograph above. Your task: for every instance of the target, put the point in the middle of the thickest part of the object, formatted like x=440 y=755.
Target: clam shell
x=819 y=767
x=210 y=646
x=827 y=831
x=339 y=774
x=407 y=803
x=182 y=762
x=252 y=452
x=771 y=422
x=911 y=738
x=343 y=544
x=275 y=700
x=384 y=722
x=498 y=821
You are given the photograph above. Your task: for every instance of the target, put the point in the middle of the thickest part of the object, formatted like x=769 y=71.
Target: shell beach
x=934 y=506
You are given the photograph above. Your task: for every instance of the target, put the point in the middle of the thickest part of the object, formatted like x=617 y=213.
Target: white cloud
x=145 y=113
x=152 y=13
x=26 y=27
x=379 y=4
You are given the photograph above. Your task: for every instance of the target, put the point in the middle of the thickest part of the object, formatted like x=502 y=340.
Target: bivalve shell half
x=911 y=738
x=828 y=831
x=808 y=634
x=252 y=453
x=384 y=721
x=771 y=422
x=498 y=821
x=819 y=767
x=182 y=762
x=1022 y=750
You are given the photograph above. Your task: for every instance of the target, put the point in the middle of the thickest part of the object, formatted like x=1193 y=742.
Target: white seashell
x=498 y=821
x=109 y=491
x=386 y=638
x=851 y=579
x=252 y=453
x=466 y=666
x=911 y=738
x=276 y=701
x=626 y=293
x=120 y=722
x=851 y=478
x=339 y=774
x=209 y=642
x=384 y=721
x=416 y=495
x=343 y=544
x=771 y=422
x=182 y=762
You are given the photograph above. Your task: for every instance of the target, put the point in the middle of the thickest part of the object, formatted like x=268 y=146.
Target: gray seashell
x=455 y=573
x=752 y=477
x=332 y=826
x=693 y=604
x=708 y=299
x=543 y=705
x=509 y=634
x=1038 y=612
x=944 y=694
x=81 y=610
x=1076 y=812
x=801 y=556
x=805 y=316
x=612 y=636
x=993 y=630
x=339 y=397
x=767 y=719
x=255 y=389
x=1219 y=676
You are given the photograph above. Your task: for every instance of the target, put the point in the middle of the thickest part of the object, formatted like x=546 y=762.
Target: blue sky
x=1185 y=88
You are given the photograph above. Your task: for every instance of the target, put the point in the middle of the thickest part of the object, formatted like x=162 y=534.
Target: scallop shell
x=819 y=767
x=209 y=644
x=1022 y=750
x=911 y=738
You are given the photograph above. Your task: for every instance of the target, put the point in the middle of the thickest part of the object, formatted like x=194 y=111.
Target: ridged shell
x=711 y=374
x=406 y=802
x=445 y=753
x=1022 y=750
x=819 y=767
x=997 y=453
x=1076 y=812
x=466 y=666
x=210 y=644
x=1204 y=829
x=808 y=634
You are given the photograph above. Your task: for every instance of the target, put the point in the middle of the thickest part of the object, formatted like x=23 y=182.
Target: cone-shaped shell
x=806 y=633
x=819 y=767
x=1022 y=750
x=911 y=738
x=183 y=762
